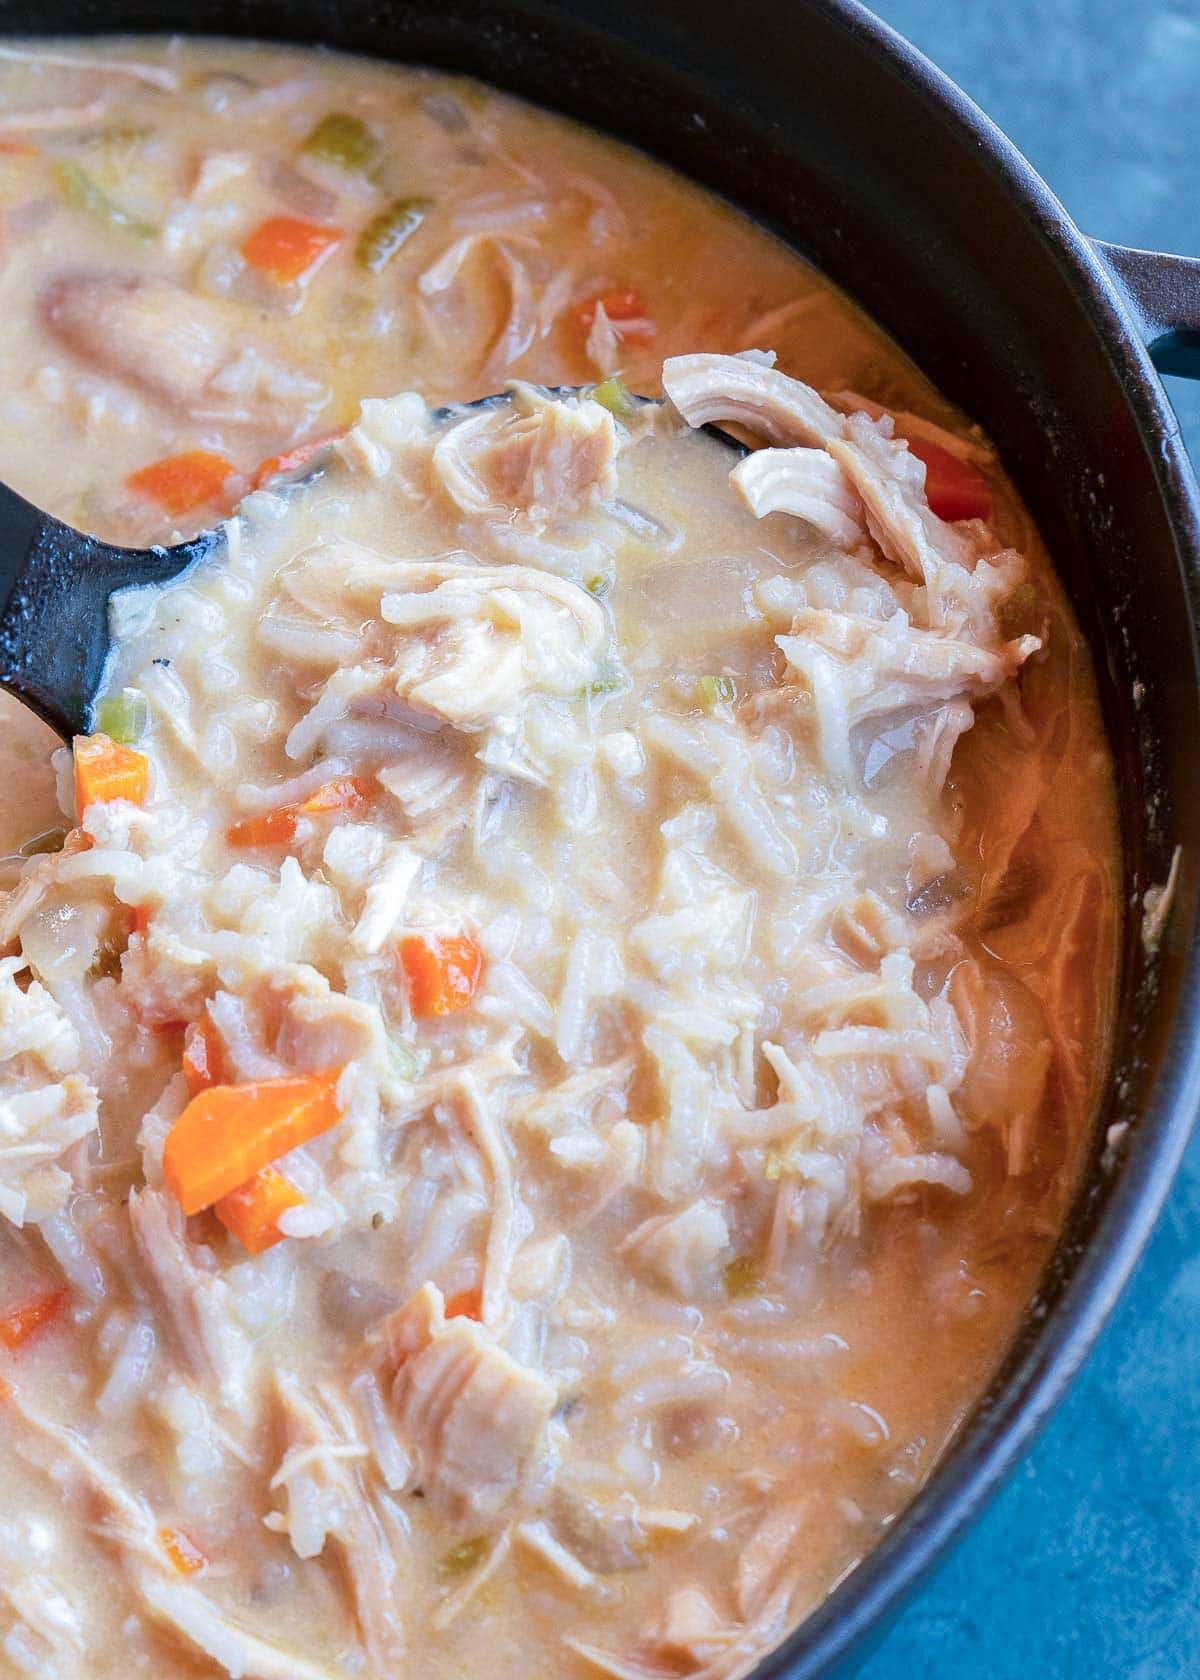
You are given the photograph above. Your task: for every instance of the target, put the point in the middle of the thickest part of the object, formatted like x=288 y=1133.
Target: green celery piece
x=613 y=395
x=404 y=1063
x=386 y=233
x=342 y=139
x=607 y=684
x=82 y=193
x=461 y=1559
x=123 y=717
x=714 y=691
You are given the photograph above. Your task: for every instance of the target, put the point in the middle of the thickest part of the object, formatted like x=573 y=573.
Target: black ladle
x=56 y=583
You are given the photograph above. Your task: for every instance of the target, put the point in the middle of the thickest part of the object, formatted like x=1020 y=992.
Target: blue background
x=1089 y=1562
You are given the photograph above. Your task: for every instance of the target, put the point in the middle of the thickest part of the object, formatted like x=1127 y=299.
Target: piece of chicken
x=474 y=1419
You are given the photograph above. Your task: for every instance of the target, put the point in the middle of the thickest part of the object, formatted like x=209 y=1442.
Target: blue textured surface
x=1088 y=1565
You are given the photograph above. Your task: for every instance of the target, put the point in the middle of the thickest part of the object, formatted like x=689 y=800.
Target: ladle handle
x=52 y=623
x=55 y=584
x=1164 y=293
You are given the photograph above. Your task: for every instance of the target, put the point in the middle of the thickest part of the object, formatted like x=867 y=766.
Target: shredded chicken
x=45 y=1104
x=707 y=388
x=554 y=457
x=805 y=482
x=179 y=347
x=464 y=646
x=857 y=668
x=320 y=1480
x=475 y=1419
x=192 y=1298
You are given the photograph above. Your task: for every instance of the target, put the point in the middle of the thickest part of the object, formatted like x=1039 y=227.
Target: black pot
x=820 y=122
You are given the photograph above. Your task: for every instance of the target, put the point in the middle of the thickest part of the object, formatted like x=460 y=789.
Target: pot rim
x=999 y=1429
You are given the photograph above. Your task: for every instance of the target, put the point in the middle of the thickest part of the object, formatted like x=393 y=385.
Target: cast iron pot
x=823 y=124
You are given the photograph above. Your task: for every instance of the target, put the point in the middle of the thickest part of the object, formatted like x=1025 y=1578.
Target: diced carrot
x=182 y=483
x=187 y=1557
x=268 y=828
x=20 y=1325
x=6 y=1391
x=140 y=919
x=344 y=793
x=106 y=770
x=204 y=1062
x=953 y=489
x=468 y=1304
x=442 y=973
x=291 y=460
x=228 y=1133
x=278 y=827
x=624 y=309
x=14 y=146
x=288 y=249
x=251 y=1212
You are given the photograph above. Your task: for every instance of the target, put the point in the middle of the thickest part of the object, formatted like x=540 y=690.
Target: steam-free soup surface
x=546 y=1037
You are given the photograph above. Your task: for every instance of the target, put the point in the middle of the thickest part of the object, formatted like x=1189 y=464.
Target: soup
x=552 y=1027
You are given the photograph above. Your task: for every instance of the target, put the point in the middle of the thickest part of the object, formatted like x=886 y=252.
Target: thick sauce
x=680 y=927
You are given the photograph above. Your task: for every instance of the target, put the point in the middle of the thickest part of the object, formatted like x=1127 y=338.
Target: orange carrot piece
x=624 y=309
x=953 y=489
x=251 y=1212
x=228 y=1133
x=182 y=483
x=106 y=770
x=268 y=828
x=291 y=460
x=187 y=1557
x=20 y=1325
x=140 y=919
x=278 y=827
x=6 y=1391
x=13 y=146
x=204 y=1062
x=442 y=973
x=468 y=1304
x=344 y=793
x=288 y=249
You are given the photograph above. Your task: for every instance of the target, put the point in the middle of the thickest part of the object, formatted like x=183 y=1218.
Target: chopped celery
x=461 y=1559
x=716 y=691
x=613 y=395
x=386 y=233
x=404 y=1063
x=607 y=684
x=342 y=139
x=742 y=1278
x=135 y=169
x=123 y=717
x=775 y=1162
x=82 y=193
x=49 y=840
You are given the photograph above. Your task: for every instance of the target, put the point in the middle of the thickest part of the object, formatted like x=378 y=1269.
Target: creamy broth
x=665 y=891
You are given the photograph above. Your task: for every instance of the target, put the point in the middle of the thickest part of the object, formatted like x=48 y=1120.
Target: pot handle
x=1164 y=293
